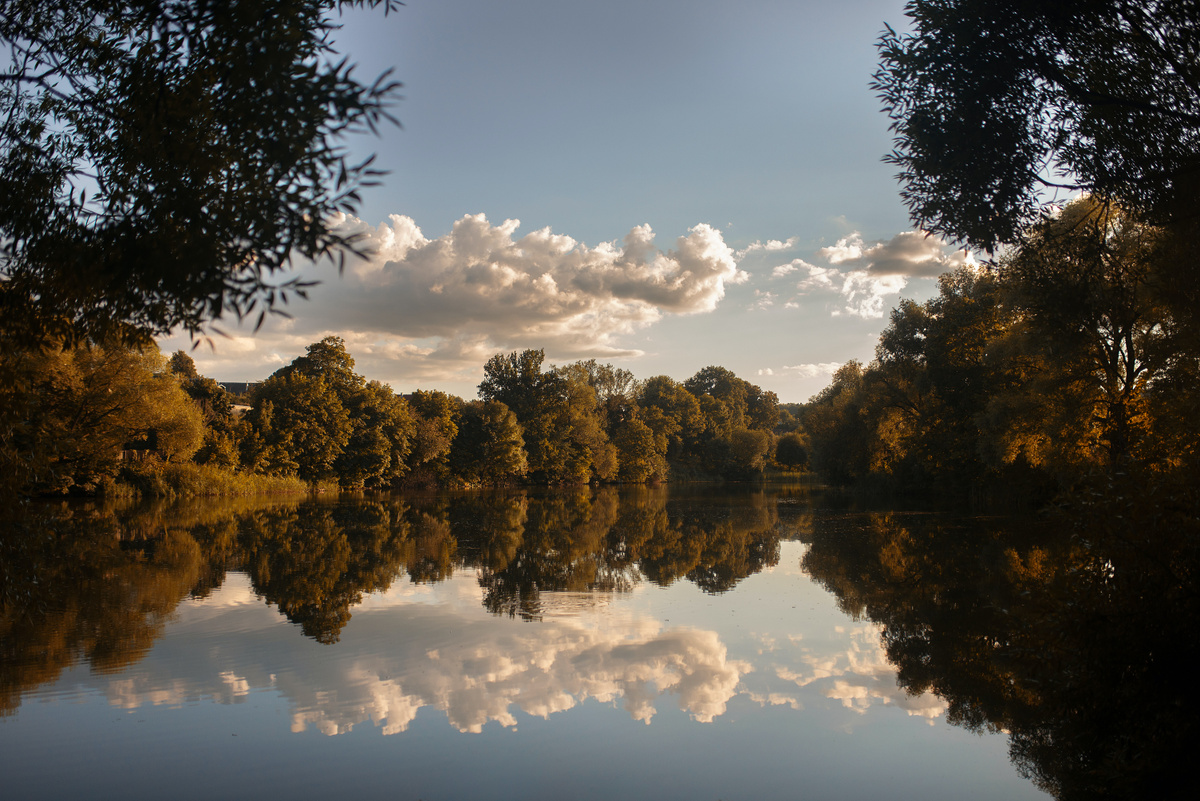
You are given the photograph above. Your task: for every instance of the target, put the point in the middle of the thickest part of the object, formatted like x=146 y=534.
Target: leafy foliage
x=994 y=103
x=489 y=448
x=318 y=419
x=1065 y=364
x=69 y=413
x=161 y=163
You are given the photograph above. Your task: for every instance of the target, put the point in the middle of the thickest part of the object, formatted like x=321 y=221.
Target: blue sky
x=660 y=184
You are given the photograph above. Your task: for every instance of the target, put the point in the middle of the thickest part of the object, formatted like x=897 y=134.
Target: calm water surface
x=685 y=643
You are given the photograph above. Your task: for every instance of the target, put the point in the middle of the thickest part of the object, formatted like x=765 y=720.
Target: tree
x=580 y=424
x=436 y=426
x=320 y=420
x=672 y=413
x=615 y=390
x=161 y=163
x=748 y=449
x=792 y=451
x=748 y=405
x=993 y=104
x=1088 y=284
x=301 y=427
x=221 y=426
x=841 y=439
x=538 y=399
x=182 y=366
x=67 y=414
x=381 y=434
x=489 y=447
x=640 y=460
x=738 y=416
x=723 y=385
x=517 y=381
x=932 y=378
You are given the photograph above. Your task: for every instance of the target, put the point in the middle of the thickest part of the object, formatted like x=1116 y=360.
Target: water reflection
x=482 y=606
x=1079 y=646
x=97 y=584
x=80 y=584
x=447 y=659
x=859 y=677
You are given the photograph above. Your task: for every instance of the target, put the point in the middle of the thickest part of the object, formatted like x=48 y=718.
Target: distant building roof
x=238 y=387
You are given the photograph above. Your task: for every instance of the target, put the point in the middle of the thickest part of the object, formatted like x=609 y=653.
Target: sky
x=662 y=185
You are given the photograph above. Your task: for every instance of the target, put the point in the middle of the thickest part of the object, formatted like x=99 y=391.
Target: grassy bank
x=185 y=480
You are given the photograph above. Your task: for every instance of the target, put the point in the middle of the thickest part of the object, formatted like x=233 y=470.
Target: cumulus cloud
x=866 y=295
x=914 y=254
x=771 y=245
x=865 y=275
x=776 y=699
x=481 y=279
x=763 y=299
x=422 y=311
x=849 y=248
x=802 y=370
x=817 y=278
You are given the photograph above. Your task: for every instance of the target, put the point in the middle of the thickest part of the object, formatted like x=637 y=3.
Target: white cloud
x=762 y=300
x=434 y=310
x=803 y=370
x=818 y=278
x=848 y=248
x=480 y=279
x=770 y=246
x=776 y=699
x=910 y=253
x=866 y=294
x=865 y=275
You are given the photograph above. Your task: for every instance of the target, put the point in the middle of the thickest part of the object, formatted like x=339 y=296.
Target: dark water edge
x=570 y=623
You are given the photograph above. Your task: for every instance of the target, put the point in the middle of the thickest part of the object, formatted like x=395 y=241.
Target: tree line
x=83 y=419
x=1067 y=360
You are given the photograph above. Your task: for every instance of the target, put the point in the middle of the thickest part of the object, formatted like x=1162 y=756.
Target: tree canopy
x=996 y=104
x=161 y=162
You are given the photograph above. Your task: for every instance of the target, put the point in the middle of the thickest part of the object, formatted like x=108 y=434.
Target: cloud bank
x=482 y=281
x=865 y=276
x=428 y=312
x=433 y=310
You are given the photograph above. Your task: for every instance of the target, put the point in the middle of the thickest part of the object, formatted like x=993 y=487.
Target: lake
x=690 y=642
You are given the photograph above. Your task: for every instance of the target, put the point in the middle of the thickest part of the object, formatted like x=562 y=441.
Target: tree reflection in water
x=1076 y=638
x=83 y=583
x=1079 y=646
x=318 y=560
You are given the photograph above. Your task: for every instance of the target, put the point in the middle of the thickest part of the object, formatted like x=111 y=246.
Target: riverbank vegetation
x=1062 y=366
x=121 y=420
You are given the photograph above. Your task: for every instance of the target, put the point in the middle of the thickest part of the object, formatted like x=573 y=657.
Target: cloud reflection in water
x=449 y=655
